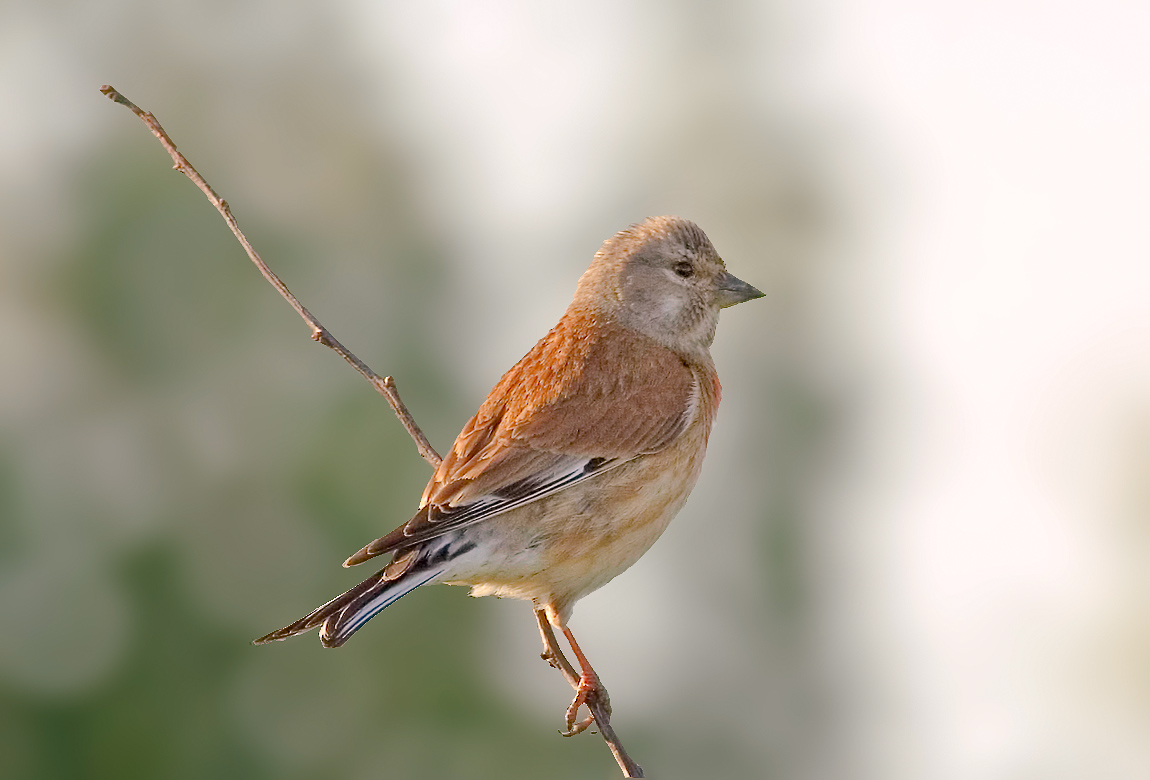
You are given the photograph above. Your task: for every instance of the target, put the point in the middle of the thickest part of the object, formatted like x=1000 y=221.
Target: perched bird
x=581 y=454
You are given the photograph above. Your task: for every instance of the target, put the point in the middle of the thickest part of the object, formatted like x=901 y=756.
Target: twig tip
x=114 y=95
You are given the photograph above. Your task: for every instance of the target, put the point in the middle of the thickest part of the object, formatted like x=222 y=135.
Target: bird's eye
x=684 y=269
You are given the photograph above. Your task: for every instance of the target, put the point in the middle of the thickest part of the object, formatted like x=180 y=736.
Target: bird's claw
x=590 y=692
x=577 y=728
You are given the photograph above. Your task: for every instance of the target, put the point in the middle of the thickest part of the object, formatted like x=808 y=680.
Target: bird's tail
x=345 y=614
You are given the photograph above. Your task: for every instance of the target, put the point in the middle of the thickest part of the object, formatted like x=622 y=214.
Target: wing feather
x=587 y=398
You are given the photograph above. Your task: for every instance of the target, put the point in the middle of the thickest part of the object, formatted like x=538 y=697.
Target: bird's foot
x=590 y=692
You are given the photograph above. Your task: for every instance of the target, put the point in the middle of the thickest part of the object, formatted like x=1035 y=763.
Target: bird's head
x=664 y=279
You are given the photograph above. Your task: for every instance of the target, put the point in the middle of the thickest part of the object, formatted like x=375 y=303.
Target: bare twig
x=553 y=655
x=384 y=385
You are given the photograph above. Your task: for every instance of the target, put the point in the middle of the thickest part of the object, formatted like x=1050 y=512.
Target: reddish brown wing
x=585 y=390
x=586 y=398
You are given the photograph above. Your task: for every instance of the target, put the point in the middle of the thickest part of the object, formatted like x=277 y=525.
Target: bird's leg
x=595 y=698
x=590 y=691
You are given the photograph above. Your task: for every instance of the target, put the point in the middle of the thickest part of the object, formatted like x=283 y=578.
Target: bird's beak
x=729 y=290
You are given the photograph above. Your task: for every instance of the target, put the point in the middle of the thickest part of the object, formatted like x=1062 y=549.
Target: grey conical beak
x=730 y=289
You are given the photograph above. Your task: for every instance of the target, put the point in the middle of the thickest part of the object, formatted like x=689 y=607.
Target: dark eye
x=684 y=269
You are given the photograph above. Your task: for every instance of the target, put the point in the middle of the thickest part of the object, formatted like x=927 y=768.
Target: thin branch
x=384 y=385
x=553 y=655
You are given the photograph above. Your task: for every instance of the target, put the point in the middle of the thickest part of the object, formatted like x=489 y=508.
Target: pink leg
x=589 y=691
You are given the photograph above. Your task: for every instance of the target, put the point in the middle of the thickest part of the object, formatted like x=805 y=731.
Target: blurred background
x=920 y=548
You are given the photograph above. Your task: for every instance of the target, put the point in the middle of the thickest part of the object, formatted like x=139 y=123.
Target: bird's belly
x=560 y=548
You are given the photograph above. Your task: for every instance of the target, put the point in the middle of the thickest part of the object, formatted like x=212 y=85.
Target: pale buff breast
x=561 y=548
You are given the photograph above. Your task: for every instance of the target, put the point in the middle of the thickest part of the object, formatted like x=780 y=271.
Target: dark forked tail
x=344 y=615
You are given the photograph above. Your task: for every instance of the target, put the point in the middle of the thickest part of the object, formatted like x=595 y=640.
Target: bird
x=581 y=454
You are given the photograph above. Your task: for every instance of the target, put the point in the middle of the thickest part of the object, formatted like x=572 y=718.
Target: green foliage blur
x=918 y=547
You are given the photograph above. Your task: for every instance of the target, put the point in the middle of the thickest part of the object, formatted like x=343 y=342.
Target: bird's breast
x=567 y=545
